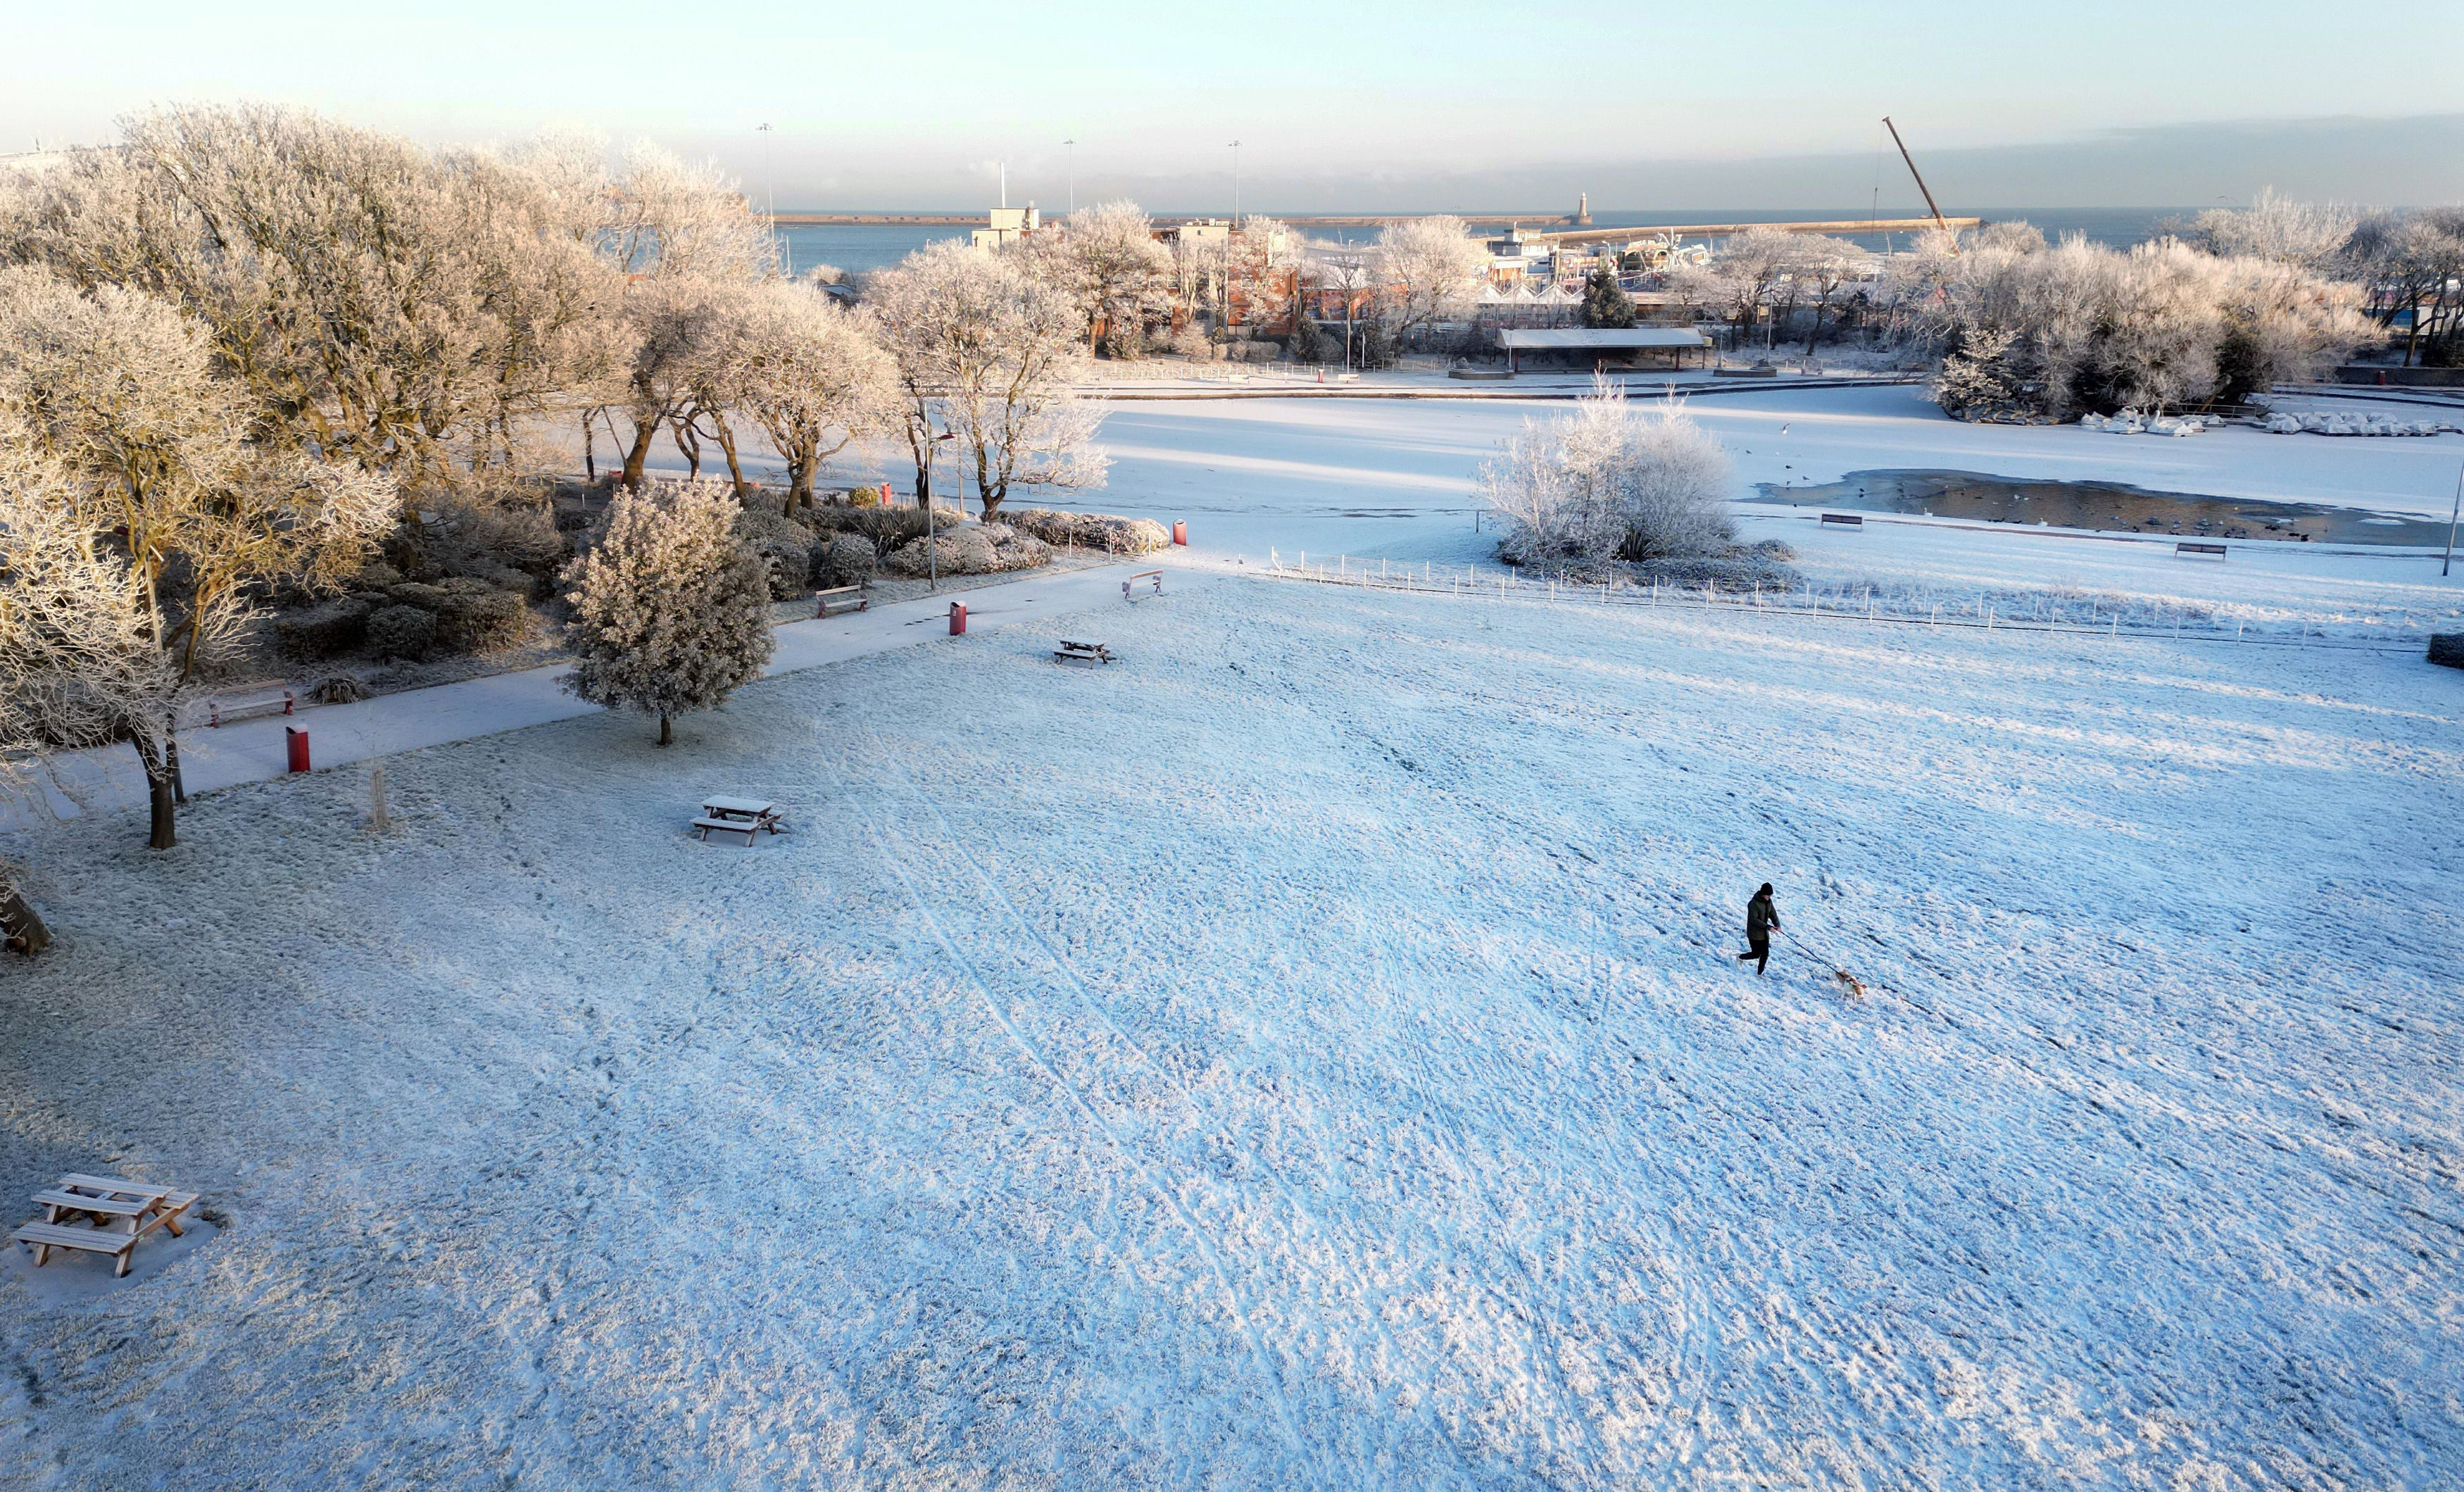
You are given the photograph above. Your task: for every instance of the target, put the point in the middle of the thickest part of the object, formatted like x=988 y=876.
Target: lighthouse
x=1583 y=209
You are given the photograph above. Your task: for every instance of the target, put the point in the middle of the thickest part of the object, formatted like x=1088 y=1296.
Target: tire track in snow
x=1051 y=1074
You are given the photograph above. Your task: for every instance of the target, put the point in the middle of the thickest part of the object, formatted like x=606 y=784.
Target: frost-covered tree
x=1347 y=277
x=811 y=376
x=123 y=395
x=1824 y=267
x=1432 y=267
x=2308 y=235
x=1105 y=259
x=670 y=611
x=2413 y=263
x=1261 y=271
x=995 y=354
x=1754 y=267
x=79 y=663
x=380 y=304
x=1608 y=481
x=2034 y=333
x=693 y=252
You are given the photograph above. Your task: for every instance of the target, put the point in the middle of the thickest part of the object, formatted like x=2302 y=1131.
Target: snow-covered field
x=1304 y=1054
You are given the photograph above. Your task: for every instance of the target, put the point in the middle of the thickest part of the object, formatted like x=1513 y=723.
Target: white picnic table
x=745 y=816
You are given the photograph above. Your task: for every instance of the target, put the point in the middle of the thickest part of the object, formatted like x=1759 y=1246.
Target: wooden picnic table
x=745 y=816
x=122 y=1213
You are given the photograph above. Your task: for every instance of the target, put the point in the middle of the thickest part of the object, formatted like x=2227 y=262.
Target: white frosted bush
x=1609 y=481
x=671 y=612
x=1104 y=530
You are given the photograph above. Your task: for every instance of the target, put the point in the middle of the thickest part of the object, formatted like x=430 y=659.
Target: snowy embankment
x=1303 y=1054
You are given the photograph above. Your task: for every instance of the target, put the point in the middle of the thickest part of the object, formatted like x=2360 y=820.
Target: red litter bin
x=1180 y=534
x=295 y=741
x=957 y=617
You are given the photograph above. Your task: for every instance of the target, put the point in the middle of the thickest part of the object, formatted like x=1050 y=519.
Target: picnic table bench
x=745 y=816
x=1856 y=521
x=247 y=703
x=1081 y=652
x=1153 y=577
x=2193 y=547
x=843 y=598
x=123 y=1212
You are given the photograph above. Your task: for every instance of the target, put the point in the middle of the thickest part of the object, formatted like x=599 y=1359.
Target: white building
x=1006 y=226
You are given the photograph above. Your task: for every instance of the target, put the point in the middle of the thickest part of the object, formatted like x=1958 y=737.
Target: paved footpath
x=107 y=779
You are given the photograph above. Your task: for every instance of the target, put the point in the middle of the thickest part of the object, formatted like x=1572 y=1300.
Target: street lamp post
x=2454 y=511
x=1070 y=153
x=1236 y=181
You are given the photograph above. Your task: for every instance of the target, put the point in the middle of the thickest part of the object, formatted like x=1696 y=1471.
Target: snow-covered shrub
x=338 y=689
x=786 y=547
x=324 y=631
x=888 y=527
x=1108 y=532
x=1608 y=481
x=475 y=617
x=975 y=549
x=963 y=551
x=402 y=632
x=847 y=559
x=501 y=533
x=670 y=612
x=417 y=593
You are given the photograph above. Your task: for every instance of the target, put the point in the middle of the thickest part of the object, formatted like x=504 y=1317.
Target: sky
x=1370 y=105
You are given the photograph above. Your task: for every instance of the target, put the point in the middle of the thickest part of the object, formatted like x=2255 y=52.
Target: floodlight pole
x=1236 y=181
x=770 y=184
x=1069 y=149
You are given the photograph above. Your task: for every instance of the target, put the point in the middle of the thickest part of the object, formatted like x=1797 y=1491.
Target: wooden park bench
x=1081 y=652
x=846 y=598
x=1152 y=577
x=1853 y=521
x=745 y=816
x=247 y=703
x=2191 y=547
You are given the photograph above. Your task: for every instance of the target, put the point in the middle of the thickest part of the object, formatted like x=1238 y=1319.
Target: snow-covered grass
x=1304 y=1053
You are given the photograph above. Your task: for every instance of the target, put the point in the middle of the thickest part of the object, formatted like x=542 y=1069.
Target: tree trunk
x=644 y=432
x=24 y=926
x=158 y=792
x=666 y=734
x=800 y=483
x=725 y=435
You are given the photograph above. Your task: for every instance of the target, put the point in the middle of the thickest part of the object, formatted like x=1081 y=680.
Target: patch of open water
x=2115 y=506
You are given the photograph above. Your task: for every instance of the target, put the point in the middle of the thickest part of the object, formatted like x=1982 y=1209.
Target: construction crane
x=1913 y=171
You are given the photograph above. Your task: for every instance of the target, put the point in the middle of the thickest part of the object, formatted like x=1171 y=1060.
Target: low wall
x=2401 y=378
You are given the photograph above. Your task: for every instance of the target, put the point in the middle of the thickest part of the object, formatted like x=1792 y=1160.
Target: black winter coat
x=1760 y=916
